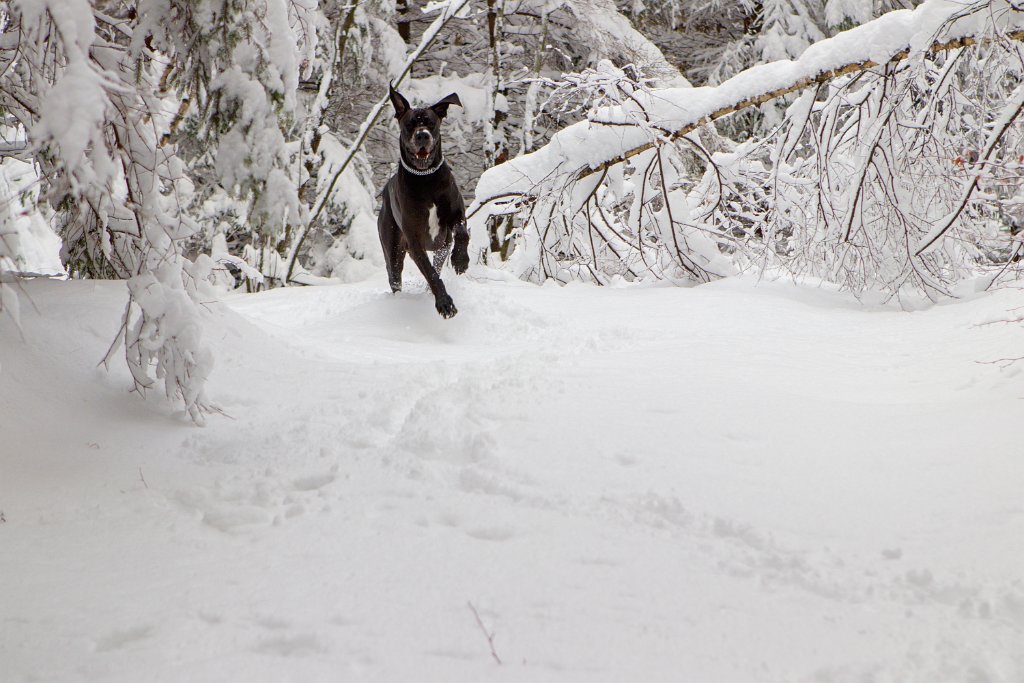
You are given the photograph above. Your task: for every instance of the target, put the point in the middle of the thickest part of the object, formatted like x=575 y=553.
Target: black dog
x=422 y=208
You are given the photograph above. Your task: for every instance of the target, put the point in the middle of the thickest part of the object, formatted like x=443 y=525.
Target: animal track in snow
x=232 y=519
x=493 y=533
x=291 y=646
x=315 y=481
x=740 y=550
x=123 y=638
x=240 y=504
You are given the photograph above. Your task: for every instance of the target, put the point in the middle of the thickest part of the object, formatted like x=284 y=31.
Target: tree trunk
x=403 y=8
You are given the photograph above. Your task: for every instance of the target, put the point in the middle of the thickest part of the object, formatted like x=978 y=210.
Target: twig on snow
x=1003 y=363
x=488 y=635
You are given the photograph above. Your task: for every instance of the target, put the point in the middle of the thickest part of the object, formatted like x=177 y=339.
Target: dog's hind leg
x=392 y=241
x=396 y=260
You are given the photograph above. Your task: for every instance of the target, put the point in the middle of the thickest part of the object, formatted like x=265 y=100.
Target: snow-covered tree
x=118 y=102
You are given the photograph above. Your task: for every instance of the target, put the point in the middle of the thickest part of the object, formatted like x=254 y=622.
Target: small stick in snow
x=1003 y=363
x=142 y=478
x=489 y=636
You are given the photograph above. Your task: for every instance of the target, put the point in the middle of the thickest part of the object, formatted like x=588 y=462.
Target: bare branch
x=483 y=629
x=1008 y=116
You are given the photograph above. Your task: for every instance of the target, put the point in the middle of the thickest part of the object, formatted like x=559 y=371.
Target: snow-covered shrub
x=163 y=332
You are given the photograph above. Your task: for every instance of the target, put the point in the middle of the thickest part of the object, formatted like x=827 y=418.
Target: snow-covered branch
x=1005 y=119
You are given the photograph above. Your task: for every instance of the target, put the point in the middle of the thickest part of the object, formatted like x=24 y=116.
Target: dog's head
x=420 y=129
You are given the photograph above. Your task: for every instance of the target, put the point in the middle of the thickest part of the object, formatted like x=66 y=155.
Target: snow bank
x=724 y=483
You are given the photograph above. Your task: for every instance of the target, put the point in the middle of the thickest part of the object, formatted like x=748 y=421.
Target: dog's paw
x=445 y=306
x=460 y=261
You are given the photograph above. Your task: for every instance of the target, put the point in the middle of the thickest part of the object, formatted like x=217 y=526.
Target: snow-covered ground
x=734 y=482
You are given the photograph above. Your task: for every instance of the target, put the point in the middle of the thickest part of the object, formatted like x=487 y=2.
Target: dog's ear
x=400 y=103
x=441 y=108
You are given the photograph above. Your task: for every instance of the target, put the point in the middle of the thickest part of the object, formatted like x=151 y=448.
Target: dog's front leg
x=442 y=302
x=460 y=255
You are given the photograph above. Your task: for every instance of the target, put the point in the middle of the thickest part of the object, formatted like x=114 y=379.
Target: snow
x=732 y=482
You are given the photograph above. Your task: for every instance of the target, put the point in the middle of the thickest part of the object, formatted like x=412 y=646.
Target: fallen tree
x=574 y=215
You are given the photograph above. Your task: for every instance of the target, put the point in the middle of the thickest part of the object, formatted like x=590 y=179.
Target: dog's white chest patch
x=432 y=223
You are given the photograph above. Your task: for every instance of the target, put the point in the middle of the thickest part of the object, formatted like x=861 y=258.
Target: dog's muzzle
x=422 y=143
